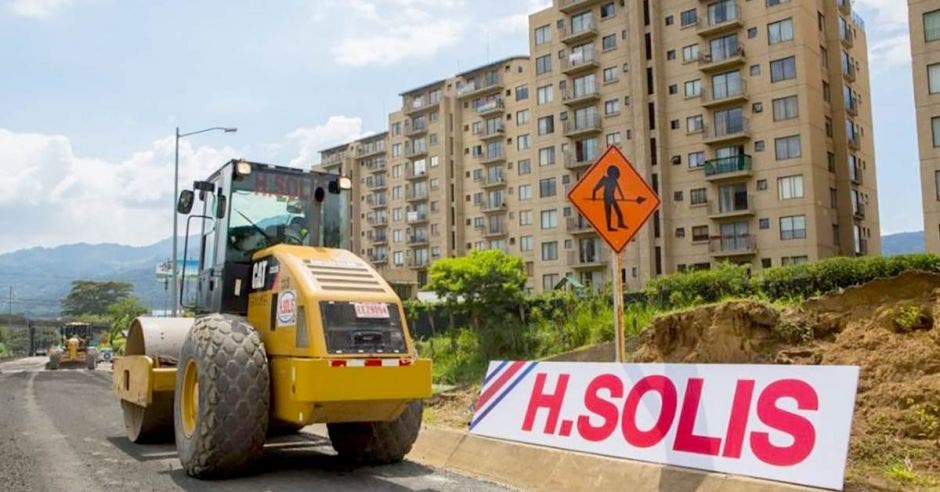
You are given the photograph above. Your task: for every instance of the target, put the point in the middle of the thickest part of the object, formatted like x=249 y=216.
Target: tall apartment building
x=924 y=16
x=750 y=119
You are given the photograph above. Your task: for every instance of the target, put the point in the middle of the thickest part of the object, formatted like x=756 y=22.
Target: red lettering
x=686 y=440
x=279 y=184
x=667 y=412
x=600 y=407
x=551 y=401
x=737 y=422
x=801 y=429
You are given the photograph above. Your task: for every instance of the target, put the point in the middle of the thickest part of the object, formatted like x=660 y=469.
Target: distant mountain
x=902 y=243
x=40 y=277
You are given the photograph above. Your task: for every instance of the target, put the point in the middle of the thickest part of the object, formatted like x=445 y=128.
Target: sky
x=92 y=91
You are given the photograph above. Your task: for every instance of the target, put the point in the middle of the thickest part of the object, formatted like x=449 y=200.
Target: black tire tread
x=378 y=442
x=233 y=397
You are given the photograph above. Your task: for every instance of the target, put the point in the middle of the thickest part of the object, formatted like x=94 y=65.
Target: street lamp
x=174 y=293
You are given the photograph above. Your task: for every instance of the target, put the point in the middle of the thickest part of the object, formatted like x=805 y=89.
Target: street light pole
x=177 y=282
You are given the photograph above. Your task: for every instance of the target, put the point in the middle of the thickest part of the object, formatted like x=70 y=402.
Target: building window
x=525 y=217
x=525 y=192
x=546 y=156
x=700 y=233
x=787 y=147
x=543 y=64
x=793 y=227
x=688 y=17
x=522 y=117
x=779 y=32
x=612 y=107
x=783 y=69
x=607 y=10
x=694 y=124
x=543 y=34
x=549 y=281
x=547 y=187
x=613 y=138
x=690 y=53
x=609 y=42
x=549 y=219
x=935 y=123
x=550 y=251
x=526 y=243
x=936 y=183
x=785 y=108
x=793 y=260
x=522 y=92
x=763 y=223
x=610 y=74
x=546 y=124
x=696 y=160
x=933 y=78
x=544 y=94
x=932 y=25
x=522 y=142
x=693 y=88
x=698 y=196
x=790 y=187
x=524 y=166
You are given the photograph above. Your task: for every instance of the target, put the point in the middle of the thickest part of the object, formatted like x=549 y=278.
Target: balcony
x=492 y=206
x=494 y=181
x=487 y=132
x=416 y=217
x=576 y=127
x=730 y=246
x=413 y=129
x=577 y=226
x=379 y=239
x=412 y=174
x=418 y=263
x=378 y=259
x=737 y=166
x=847 y=37
x=851 y=106
x=570 y=6
x=575 y=160
x=848 y=71
x=726 y=133
x=856 y=176
x=418 y=239
x=417 y=105
x=376 y=166
x=416 y=196
x=494 y=230
x=584 y=32
x=581 y=61
x=741 y=206
x=581 y=97
x=374 y=184
x=489 y=107
x=845 y=6
x=377 y=220
x=490 y=157
x=854 y=141
x=858 y=210
x=734 y=93
x=412 y=152
x=599 y=258
x=370 y=150
x=715 y=62
x=480 y=87
x=376 y=201
x=720 y=21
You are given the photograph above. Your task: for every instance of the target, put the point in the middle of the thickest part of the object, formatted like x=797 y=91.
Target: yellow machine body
x=309 y=382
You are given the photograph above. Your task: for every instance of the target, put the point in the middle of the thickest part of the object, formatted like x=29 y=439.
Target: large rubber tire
x=91 y=359
x=153 y=424
x=54 y=357
x=227 y=416
x=378 y=442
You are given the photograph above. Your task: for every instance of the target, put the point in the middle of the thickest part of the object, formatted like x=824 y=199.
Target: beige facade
x=750 y=119
x=925 y=56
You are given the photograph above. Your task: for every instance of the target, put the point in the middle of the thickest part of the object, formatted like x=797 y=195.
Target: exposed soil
x=887 y=327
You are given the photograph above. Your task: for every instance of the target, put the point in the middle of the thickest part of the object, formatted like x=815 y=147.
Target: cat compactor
x=291 y=329
x=76 y=349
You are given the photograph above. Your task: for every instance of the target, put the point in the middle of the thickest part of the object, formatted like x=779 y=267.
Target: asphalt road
x=63 y=430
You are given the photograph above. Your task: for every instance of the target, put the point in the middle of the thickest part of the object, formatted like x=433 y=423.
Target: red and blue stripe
x=499 y=383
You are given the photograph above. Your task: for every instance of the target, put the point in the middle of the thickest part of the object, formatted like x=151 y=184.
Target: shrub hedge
x=788 y=282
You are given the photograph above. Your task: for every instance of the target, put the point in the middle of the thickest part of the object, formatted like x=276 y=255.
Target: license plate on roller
x=371 y=310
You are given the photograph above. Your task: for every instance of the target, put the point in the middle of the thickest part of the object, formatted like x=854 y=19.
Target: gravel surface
x=63 y=430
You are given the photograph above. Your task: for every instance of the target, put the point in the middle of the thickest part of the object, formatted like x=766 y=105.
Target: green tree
x=92 y=297
x=120 y=315
x=484 y=283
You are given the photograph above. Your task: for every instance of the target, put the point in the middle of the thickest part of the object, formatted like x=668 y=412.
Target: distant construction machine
x=75 y=349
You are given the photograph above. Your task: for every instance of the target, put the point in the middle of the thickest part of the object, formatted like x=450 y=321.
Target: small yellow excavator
x=291 y=329
x=75 y=349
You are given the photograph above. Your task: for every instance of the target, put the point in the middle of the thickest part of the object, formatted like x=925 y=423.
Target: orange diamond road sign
x=614 y=198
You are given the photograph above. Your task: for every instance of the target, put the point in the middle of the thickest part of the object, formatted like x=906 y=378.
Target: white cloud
x=890 y=52
x=51 y=196
x=403 y=29
x=38 y=9
x=888 y=14
x=519 y=22
x=309 y=141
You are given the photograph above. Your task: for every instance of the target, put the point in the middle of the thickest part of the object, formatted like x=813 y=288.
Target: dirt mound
x=887 y=327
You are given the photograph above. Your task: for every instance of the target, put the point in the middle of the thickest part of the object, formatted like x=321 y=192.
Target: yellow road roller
x=291 y=329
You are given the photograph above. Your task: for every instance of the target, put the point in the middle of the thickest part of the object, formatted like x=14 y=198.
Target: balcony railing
x=848 y=70
x=377 y=220
x=740 y=205
x=415 y=127
x=375 y=201
x=371 y=149
x=416 y=195
x=727 y=93
x=414 y=105
x=733 y=129
x=589 y=259
x=418 y=262
x=416 y=217
x=494 y=180
x=479 y=87
x=492 y=206
x=858 y=210
x=493 y=230
x=581 y=96
x=720 y=19
x=491 y=156
x=851 y=106
x=847 y=37
x=726 y=165
x=854 y=141
x=578 y=61
x=487 y=131
x=379 y=238
x=721 y=59
x=578 y=225
x=744 y=244
x=412 y=151
x=490 y=106
x=412 y=173
x=569 y=6
x=418 y=238
x=375 y=184
x=576 y=126
x=376 y=165
x=584 y=30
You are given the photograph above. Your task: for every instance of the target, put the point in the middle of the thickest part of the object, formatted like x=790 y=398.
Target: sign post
x=616 y=201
